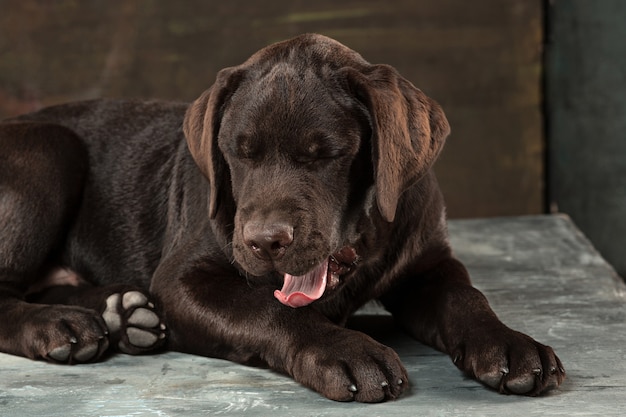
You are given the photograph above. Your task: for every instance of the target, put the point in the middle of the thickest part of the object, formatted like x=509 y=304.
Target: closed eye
x=319 y=155
x=246 y=148
x=321 y=149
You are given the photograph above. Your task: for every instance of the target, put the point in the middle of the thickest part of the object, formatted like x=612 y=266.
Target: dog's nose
x=268 y=242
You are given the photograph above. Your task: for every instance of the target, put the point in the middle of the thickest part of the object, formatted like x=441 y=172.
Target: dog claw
x=352 y=388
x=105 y=344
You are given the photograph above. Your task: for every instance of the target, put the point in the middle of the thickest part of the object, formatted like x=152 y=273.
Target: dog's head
x=299 y=138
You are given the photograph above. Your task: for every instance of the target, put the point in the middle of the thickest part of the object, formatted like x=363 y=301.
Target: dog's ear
x=408 y=130
x=201 y=127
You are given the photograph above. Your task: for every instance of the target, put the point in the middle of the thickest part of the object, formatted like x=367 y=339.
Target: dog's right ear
x=201 y=127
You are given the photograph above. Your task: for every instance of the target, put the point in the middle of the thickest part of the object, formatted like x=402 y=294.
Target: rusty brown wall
x=480 y=59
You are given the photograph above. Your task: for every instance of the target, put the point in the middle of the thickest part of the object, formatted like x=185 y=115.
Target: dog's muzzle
x=268 y=242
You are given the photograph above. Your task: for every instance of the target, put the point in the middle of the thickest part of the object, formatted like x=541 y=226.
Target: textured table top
x=540 y=274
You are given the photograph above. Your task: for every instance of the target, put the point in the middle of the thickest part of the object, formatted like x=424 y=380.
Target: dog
x=248 y=225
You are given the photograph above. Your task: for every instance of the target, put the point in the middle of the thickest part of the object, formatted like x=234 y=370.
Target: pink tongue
x=303 y=290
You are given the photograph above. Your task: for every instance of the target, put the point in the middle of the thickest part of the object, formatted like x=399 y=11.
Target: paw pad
x=132 y=318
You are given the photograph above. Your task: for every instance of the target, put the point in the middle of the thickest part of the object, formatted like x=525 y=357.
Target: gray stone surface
x=540 y=274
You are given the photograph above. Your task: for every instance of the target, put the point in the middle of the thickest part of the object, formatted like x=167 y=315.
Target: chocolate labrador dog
x=249 y=226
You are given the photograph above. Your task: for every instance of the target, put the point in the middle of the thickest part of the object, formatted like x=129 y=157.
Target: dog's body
x=319 y=182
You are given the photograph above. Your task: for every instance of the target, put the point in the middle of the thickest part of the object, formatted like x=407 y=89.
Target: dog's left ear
x=201 y=127
x=408 y=130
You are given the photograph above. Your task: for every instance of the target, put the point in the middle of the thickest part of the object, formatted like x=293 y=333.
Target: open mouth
x=299 y=291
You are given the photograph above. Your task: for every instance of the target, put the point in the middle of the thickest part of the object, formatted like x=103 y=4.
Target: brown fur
x=303 y=155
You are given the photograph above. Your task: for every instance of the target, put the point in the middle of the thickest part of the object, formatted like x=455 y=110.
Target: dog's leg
x=42 y=168
x=215 y=312
x=133 y=320
x=442 y=309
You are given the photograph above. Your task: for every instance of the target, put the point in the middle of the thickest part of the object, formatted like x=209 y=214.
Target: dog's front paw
x=132 y=321
x=510 y=362
x=63 y=334
x=351 y=367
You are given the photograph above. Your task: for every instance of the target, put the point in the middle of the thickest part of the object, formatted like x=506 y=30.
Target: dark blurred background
x=535 y=90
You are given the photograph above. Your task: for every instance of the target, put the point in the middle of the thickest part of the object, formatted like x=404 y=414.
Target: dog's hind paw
x=132 y=319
